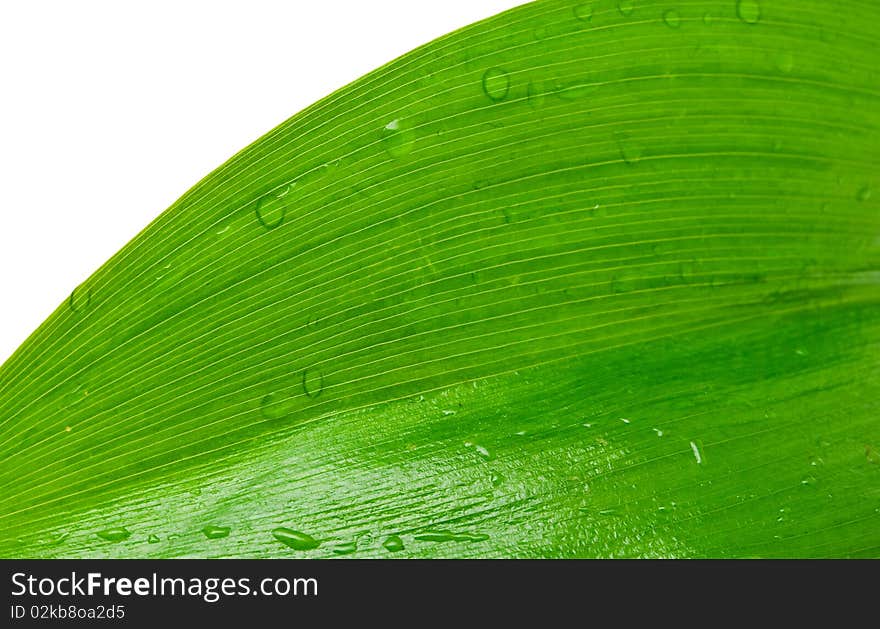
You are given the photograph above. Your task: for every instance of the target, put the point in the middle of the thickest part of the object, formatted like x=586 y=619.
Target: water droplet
x=785 y=61
x=447 y=536
x=658 y=431
x=471 y=537
x=749 y=11
x=496 y=479
x=393 y=543
x=318 y=173
x=496 y=84
x=584 y=12
x=153 y=539
x=80 y=298
x=629 y=150
x=696 y=451
x=626 y=7
x=275 y=406
x=624 y=420
x=482 y=451
x=295 y=539
x=56 y=539
x=447 y=412
x=672 y=18
x=271 y=207
x=313 y=382
x=809 y=481
x=345 y=548
x=598 y=211
x=535 y=94
x=864 y=193
x=67 y=429
x=115 y=534
x=438 y=536
x=215 y=532
x=397 y=138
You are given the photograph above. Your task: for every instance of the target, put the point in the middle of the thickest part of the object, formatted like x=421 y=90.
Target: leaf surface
x=580 y=280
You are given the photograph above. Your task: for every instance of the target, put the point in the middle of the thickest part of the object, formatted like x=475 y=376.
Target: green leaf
x=583 y=279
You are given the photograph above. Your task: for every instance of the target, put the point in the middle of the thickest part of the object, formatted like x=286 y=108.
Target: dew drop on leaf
x=626 y=7
x=749 y=11
x=496 y=84
x=215 y=532
x=785 y=61
x=535 y=94
x=295 y=539
x=397 y=138
x=345 y=548
x=153 y=539
x=271 y=207
x=629 y=150
x=584 y=12
x=672 y=18
x=274 y=406
x=393 y=543
x=80 y=298
x=697 y=454
x=114 y=534
x=438 y=536
x=313 y=382
x=449 y=536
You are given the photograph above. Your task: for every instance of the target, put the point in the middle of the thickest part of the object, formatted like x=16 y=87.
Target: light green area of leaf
x=581 y=280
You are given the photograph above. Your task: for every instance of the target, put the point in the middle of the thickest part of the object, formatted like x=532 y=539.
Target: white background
x=110 y=110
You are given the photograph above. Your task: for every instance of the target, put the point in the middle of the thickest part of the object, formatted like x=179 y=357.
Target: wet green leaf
x=583 y=279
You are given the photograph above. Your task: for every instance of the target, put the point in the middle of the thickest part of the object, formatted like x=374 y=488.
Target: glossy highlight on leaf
x=585 y=279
